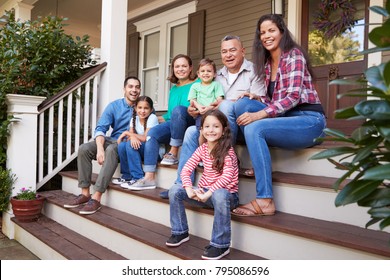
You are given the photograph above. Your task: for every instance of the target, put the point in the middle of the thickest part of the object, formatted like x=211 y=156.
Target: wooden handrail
x=52 y=100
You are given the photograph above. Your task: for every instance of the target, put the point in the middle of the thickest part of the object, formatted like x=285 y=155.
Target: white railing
x=66 y=121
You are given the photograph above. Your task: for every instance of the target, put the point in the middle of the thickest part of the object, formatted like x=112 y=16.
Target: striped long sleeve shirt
x=212 y=179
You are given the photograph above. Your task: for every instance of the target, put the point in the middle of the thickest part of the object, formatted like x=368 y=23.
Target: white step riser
x=282 y=160
x=294 y=162
x=117 y=242
x=305 y=201
x=264 y=240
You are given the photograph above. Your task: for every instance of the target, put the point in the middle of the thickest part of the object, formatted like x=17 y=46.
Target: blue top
x=117 y=115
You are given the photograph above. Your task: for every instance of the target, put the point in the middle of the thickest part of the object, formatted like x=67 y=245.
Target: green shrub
x=6 y=181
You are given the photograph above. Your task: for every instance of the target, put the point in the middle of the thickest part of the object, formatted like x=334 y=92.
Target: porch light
x=277 y=7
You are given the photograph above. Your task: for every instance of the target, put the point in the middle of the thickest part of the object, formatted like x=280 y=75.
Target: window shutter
x=196 y=33
x=133 y=54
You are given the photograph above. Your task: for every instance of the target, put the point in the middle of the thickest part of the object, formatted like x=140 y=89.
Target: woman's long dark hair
x=260 y=55
x=172 y=78
x=150 y=102
x=221 y=149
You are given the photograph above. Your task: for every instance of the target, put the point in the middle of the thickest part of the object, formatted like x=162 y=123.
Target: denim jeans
x=169 y=132
x=294 y=130
x=86 y=153
x=227 y=107
x=222 y=201
x=190 y=144
x=131 y=160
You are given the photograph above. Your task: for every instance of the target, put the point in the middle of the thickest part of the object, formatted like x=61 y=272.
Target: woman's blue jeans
x=222 y=201
x=293 y=130
x=170 y=132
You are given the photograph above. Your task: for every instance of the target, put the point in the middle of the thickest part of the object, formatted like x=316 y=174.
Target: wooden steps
x=150 y=233
x=335 y=233
x=69 y=244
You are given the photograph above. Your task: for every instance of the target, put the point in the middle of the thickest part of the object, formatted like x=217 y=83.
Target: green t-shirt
x=206 y=94
x=178 y=96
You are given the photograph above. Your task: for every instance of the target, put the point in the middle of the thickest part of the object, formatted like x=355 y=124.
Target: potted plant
x=27 y=205
x=366 y=154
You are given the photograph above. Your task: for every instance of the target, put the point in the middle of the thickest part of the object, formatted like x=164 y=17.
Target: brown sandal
x=256 y=211
x=248 y=172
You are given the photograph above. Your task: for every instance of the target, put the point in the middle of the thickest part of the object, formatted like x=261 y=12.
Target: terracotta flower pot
x=27 y=210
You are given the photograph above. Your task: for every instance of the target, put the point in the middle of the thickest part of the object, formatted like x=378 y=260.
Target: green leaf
x=380 y=36
x=345 y=113
x=374 y=109
x=379 y=10
x=355 y=190
x=374 y=76
x=380 y=172
x=385 y=223
x=386 y=75
x=335 y=133
x=333 y=152
x=380 y=213
x=372 y=222
x=378 y=198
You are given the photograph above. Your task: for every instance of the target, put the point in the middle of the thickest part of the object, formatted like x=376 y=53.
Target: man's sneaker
x=176 y=240
x=119 y=181
x=142 y=184
x=164 y=194
x=126 y=185
x=91 y=207
x=169 y=159
x=79 y=200
x=214 y=253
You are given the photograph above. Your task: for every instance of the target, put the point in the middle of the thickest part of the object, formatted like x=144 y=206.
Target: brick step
x=150 y=233
x=66 y=242
x=335 y=233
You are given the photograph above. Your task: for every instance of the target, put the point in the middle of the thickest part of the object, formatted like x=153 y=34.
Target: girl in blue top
x=131 y=144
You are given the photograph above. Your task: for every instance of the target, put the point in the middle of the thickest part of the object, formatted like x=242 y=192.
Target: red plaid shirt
x=293 y=84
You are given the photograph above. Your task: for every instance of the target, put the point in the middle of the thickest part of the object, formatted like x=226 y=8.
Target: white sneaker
x=142 y=184
x=126 y=184
x=119 y=181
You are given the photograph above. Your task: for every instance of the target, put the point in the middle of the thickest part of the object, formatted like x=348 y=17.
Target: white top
x=139 y=128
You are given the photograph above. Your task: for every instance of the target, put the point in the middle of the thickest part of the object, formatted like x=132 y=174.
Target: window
x=162 y=37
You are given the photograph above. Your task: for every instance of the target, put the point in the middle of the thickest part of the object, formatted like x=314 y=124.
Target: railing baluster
x=69 y=126
x=40 y=146
x=60 y=131
x=50 y=142
x=96 y=82
x=86 y=112
x=77 y=120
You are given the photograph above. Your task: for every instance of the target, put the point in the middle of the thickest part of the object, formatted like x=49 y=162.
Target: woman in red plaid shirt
x=289 y=116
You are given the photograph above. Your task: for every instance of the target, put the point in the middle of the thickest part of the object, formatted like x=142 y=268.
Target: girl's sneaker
x=214 y=253
x=120 y=181
x=127 y=184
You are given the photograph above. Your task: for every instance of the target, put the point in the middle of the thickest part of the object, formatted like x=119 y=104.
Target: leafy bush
x=366 y=155
x=37 y=58
x=6 y=181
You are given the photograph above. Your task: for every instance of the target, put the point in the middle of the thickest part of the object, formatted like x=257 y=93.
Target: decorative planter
x=27 y=210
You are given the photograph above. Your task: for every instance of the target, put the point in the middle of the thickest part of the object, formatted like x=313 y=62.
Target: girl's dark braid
x=134 y=116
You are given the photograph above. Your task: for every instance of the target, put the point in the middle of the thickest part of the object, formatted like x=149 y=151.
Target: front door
x=335 y=55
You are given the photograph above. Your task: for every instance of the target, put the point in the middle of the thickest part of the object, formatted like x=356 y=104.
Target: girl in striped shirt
x=217 y=188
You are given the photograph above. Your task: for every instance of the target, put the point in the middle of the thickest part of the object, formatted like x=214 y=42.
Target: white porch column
x=113 y=51
x=22 y=8
x=22 y=142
